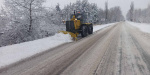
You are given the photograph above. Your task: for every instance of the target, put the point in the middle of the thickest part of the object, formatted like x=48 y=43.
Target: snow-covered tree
x=58 y=7
x=4 y=20
x=106 y=12
x=24 y=20
x=24 y=11
x=139 y=15
x=101 y=16
x=130 y=14
x=115 y=14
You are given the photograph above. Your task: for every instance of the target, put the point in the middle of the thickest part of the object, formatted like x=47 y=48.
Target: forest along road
x=120 y=49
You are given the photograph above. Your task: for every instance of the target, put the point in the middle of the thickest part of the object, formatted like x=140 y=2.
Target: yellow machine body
x=74 y=35
x=77 y=23
x=74 y=27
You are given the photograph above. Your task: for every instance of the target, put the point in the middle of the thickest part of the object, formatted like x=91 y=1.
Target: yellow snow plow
x=78 y=25
x=73 y=35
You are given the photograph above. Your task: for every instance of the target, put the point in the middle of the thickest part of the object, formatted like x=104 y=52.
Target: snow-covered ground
x=14 y=53
x=98 y=27
x=142 y=26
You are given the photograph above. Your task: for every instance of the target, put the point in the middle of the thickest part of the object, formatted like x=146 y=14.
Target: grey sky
x=1 y=2
x=124 y=4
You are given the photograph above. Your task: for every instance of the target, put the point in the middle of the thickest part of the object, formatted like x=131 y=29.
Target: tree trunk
x=30 y=25
x=31 y=20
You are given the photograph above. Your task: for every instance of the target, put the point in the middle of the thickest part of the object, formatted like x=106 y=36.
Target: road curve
x=120 y=49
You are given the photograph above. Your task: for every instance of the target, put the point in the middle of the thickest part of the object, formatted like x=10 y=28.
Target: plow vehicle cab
x=78 y=25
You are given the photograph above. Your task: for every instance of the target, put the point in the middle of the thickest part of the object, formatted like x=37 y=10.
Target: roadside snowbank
x=99 y=27
x=142 y=26
x=17 y=52
x=14 y=53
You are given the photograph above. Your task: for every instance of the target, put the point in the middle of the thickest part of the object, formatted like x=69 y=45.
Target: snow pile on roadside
x=142 y=26
x=98 y=27
x=17 y=52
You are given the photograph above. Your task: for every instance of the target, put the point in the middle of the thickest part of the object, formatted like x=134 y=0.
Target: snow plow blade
x=73 y=35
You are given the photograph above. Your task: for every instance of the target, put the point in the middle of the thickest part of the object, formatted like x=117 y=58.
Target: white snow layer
x=142 y=26
x=14 y=53
x=99 y=27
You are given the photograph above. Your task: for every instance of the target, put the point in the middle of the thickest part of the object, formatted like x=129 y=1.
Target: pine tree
x=132 y=12
x=106 y=12
x=58 y=7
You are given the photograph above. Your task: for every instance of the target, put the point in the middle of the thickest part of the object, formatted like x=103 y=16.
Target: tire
x=84 y=31
x=90 y=29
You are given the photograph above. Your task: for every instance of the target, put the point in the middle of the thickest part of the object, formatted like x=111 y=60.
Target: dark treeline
x=96 y=14
x=26 y=20
x=139 y=15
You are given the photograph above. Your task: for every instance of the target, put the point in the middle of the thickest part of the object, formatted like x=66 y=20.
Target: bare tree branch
x=20 y=4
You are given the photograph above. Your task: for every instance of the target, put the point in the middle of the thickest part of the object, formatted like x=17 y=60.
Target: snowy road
x=120 y=49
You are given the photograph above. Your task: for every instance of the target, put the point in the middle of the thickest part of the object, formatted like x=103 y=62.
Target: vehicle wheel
x=84 y=31
x=90 y=29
